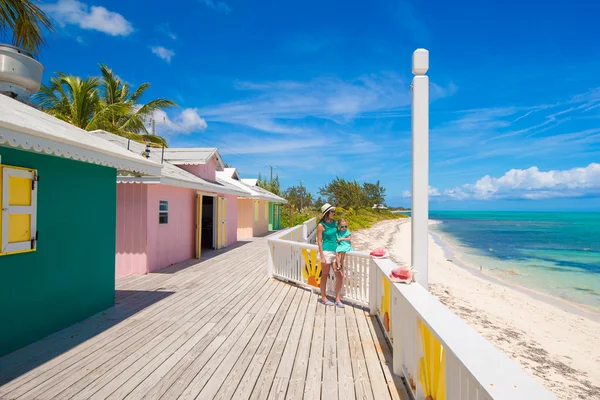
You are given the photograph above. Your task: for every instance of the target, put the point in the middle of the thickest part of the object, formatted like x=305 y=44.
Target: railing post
x=420 y=166
x=270 y=264
x=372 y=287
x=396 y=333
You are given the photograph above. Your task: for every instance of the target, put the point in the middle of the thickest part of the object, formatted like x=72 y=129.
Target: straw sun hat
x=326 y=208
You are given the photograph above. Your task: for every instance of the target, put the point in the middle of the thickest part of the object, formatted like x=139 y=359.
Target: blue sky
x=321 y=89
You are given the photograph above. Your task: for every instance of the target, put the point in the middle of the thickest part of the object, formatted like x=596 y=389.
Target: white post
x=420 y=165
x=373 y=287
x=270 y=259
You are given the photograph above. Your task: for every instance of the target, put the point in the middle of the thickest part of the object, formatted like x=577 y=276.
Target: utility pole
x=153 y=128
x=271 y=168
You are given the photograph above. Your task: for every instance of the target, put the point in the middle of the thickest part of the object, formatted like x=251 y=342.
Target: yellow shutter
x=19 y=206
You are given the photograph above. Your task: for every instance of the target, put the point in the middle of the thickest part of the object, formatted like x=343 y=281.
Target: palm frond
x=26 y=21
x=139 y=92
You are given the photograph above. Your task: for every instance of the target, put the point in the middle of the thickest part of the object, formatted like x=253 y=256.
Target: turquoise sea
x=553 y=252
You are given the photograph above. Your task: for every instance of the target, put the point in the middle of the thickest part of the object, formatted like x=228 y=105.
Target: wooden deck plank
x=163 y=384
x=330 y=377
x=394 y=382
x=376 y=377
x=192 y=360
x=75 y=362
x=252 y=373
x=269 y=369
x=283 y=374
x=362 y=384
x=196 y=330
x=312 y=386
x=233 y=379
x=298 y=376
x=229 y=347
x=156 y=350
x=13 y=365
x=344 y=363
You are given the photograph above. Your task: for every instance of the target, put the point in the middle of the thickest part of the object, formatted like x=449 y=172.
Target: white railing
x=438 y=353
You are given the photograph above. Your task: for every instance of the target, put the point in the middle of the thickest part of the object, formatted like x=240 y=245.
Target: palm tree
x=26 y=20
x=101 y=103
x=114 y=91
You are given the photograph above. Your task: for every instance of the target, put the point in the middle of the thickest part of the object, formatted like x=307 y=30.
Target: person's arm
x=320 y=229
x=348 y=238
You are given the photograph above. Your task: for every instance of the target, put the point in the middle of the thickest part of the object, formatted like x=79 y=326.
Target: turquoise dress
x=329 y=236
x=343 y=246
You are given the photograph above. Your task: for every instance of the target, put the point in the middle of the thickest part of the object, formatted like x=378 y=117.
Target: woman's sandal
x=326 y=303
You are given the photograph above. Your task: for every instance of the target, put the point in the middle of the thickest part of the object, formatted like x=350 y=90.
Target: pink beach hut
x=167 y=219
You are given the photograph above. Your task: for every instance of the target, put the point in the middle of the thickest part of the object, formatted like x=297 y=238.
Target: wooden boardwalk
x=218 y=329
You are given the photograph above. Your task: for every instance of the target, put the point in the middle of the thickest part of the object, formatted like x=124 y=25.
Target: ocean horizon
x=557 y=253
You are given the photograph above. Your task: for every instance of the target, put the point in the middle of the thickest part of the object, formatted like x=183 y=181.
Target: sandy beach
x=554 y=341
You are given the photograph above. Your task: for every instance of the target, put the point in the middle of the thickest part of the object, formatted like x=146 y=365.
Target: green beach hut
x=58 y=230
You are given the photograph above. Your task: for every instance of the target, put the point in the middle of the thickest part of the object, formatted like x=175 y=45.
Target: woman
x=327 y=241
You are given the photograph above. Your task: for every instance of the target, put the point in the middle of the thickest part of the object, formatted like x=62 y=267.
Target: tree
x=318 y=203
x=344 y=193
x=272 y=186
x=299 y=197
x=25 y=20
x=374 y=192
x=101 y=103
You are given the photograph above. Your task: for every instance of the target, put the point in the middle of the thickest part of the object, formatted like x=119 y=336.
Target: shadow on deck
x=218 y=329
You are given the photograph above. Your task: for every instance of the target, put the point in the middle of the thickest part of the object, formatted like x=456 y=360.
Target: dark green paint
x=71 y=275
x=274 y=216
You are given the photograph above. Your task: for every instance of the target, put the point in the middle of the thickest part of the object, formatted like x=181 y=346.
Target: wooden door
x=198 y=226
x=221 y=222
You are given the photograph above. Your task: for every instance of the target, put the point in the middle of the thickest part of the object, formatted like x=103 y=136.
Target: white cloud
x=217 y=5
x=165 y=29
x=433 y=192
x=163 y=53
x=531 y=183
x=185 y=122
x=80 y=40
x=97 y=18
x=276 y=107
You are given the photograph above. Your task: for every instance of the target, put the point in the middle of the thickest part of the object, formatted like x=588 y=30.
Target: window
x=19 y=210
x=163 y=212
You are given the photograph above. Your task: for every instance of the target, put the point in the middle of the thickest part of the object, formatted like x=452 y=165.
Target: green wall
x=71 y=275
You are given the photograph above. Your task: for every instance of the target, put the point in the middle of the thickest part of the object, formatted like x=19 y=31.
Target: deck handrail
x=425 y=336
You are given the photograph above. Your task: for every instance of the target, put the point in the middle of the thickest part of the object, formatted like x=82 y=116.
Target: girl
x=327 y=241
x=343 y=243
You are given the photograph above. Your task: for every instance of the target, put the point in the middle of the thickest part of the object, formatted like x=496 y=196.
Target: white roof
x=230 y=175
x=25 y=127
x=170 y=175
x=250 y=181
x=193 y=156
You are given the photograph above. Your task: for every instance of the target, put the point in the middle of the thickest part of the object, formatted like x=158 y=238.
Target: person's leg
x=339 y=282
x=323 y=284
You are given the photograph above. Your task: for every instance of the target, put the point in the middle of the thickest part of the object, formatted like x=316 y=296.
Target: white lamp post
x=420 y=166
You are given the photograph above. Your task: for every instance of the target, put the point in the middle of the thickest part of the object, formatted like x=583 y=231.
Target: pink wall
x=131 y=229
x=174 y=242
x=205 y=171
x=232 y=219
x=245 y=218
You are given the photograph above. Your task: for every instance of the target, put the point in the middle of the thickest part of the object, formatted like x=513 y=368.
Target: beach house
x=254 y=209
x=58 y=192
x=170 y=217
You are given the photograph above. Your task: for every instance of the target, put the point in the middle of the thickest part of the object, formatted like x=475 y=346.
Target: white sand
x=557 y=345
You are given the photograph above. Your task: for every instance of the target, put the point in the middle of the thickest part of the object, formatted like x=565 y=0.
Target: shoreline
x=547 y=336
x=570 y=306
